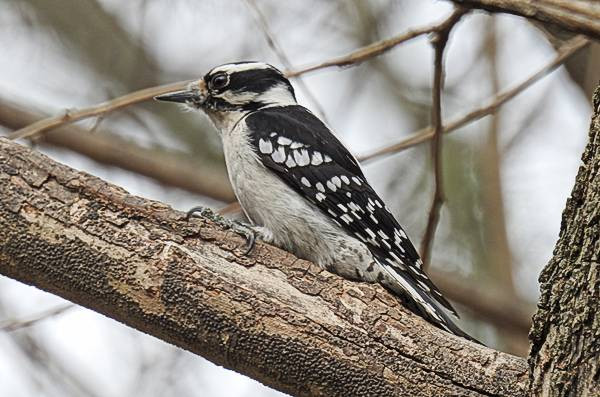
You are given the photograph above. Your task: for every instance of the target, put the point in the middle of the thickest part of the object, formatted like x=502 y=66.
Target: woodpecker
x=302 y=189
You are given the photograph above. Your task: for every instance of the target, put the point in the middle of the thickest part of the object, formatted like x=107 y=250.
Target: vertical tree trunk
x=565 y=352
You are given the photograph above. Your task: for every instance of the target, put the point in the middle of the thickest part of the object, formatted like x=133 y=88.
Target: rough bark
x=275 y=318
x=575 y=16
x=565 y=352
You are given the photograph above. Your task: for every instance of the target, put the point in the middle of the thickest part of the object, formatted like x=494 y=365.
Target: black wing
x=303 y=152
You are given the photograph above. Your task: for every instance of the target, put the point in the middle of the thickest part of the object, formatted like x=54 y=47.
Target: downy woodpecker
x=303 y=190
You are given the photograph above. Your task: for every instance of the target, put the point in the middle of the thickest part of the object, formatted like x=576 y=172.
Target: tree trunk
x=275 y=318
x=582 y=17
x=565 y=352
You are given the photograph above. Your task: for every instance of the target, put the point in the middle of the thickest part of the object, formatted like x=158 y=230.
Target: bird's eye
x=219 y=81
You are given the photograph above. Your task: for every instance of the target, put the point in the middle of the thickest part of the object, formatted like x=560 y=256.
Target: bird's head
x=228 y=92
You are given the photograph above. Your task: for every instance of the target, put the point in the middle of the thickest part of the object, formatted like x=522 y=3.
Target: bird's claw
x=192 y=211
x=248 y=233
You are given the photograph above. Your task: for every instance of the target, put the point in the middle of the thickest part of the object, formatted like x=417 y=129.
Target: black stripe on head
x=257 y=80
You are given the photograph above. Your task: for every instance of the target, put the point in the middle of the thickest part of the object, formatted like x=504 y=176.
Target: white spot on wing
x=296 y=145
x=347 y=218
x=283 y=140
x=278 y=155
x=290 y=163
x=345 y=179
x=317 y=159
x=336 y=181
x=370 y=232
x=352 y=205
x=357 y=180
x=265 y=146
x=320 y=196
x=301 y=156
x=331 y=186
x=382 y=234
x=305 y=182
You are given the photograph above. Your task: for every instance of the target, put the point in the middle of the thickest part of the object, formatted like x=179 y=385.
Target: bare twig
x=439 y=41
x=425 y=134
x=196 y=174
x=103 y=108
x=367 y=52
x=70 y=116
x=579 y=17
x=355 y=57
x=13 y=325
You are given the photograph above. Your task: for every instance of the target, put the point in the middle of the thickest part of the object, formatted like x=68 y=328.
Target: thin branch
x=365 y=53
x=578 y=17
x=564 y=52
x=70 y=116
x=439 y=42
x=353 y=58
x=13 y=325
x=196 y=174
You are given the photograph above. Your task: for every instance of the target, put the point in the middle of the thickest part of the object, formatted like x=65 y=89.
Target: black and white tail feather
x=298 y=148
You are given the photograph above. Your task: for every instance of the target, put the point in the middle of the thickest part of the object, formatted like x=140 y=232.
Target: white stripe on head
x=278 y=95
x=241 y=67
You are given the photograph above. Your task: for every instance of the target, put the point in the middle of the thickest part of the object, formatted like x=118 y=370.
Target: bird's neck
x=224 y=122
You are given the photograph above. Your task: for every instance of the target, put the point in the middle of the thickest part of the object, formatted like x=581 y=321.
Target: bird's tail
x=423 y=304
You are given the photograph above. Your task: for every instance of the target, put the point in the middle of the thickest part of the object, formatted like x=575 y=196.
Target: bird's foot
x=251 y=234
x=210 y=214
x=194 y=210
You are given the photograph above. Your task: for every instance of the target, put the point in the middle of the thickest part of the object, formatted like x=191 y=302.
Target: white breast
x=296 y=225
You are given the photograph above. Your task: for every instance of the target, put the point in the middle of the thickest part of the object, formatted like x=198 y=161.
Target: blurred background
x=507 y=176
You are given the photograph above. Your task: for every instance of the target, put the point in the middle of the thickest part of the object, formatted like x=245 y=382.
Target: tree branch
x=12 y=325
x=576 y=16
x=70 y=116
x=356 y=57
x=439 y=45
x=172 y=168
x=280 y=320
x=424 y=134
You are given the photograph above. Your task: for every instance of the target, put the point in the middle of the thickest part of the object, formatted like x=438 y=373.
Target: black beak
x=195 y=95
x=179 y=96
